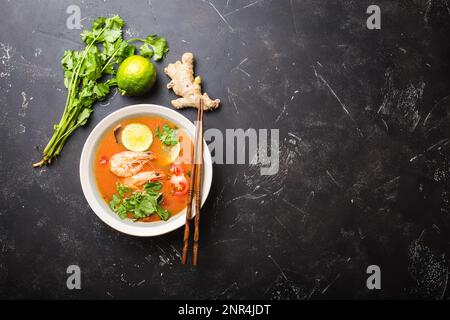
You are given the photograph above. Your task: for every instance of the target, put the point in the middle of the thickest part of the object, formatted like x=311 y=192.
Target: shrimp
x=129 y=163
x=141 y=178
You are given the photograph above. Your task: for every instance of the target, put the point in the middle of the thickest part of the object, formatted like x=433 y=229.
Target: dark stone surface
x=370 y=186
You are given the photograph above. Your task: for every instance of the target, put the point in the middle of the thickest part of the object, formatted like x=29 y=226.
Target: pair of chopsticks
x=195 y=189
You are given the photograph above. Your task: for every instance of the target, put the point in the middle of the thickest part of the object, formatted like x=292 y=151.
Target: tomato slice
x=177 y=169
x=180 y=184
x=181 y=193
x=178 y=179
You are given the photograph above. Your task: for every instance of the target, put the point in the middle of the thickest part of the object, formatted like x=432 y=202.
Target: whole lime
x=136 y=75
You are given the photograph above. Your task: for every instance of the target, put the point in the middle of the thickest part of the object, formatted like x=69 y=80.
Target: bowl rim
x=89 y=185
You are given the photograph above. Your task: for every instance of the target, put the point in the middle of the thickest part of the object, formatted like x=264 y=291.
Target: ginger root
x=185 y=86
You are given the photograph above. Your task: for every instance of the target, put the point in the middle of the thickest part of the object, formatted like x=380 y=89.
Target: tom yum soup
x=142 y=168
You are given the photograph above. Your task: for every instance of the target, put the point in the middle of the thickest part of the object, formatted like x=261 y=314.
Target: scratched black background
x=366 y=186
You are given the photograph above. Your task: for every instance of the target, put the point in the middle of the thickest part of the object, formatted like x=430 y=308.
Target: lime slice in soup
x=137 y=137
x=172 y=152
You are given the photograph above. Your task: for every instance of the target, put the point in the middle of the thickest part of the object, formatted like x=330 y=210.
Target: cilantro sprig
x=140 y=204
x=167 y=135
x=89 y=75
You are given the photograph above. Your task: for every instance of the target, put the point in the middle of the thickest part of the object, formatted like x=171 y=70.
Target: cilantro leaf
x=153 y=46
x=115 y=22
x=124 y=51
x=100 y=90
x=83 y=117
x=123 y=189
x=146 y=206
x=70 y=59
x=162 y=213
x=111 y=35
x=167 y=135
x=118 y=206
x=159 y=44
x=153 y=187
x=103 y=30
x=145 y=51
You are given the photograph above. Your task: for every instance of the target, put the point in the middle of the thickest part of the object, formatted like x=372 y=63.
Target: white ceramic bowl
x=89 y=185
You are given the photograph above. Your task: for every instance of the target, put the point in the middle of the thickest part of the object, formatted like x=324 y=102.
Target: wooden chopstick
x=198 y=185
x=194 y=190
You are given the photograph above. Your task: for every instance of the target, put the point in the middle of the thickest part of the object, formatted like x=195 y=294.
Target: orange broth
x=106 y=180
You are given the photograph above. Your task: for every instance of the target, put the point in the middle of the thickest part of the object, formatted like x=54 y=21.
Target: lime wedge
x=172 y=152
x=137 y=137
